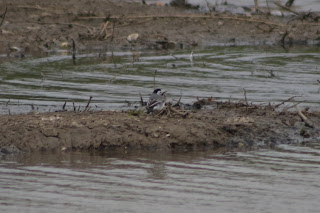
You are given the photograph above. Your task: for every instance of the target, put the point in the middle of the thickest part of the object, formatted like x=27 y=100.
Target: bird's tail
x=149 y=110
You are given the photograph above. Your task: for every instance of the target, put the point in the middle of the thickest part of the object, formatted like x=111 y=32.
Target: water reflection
x=141 y=181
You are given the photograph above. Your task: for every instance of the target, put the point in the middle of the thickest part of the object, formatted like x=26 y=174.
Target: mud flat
x=34 y=27
x=228 y=125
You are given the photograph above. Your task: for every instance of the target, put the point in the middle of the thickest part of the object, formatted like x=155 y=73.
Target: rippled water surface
x=285 y=179
x=305 y=5
x=267 y=74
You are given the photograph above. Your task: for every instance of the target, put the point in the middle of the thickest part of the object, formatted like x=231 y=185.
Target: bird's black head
x=156 y=91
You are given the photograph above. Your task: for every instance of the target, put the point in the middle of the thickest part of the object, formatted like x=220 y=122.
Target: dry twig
x=245 y=96
x=289 y=107
x=178 y=102
x=73 y=52
x=289 y=99
x=104 y=27
x=88 y=107
x=64 y=106
x=304 y=118
x=154 y=80
x=142 y=103
x=169 y=111
x=3 y=16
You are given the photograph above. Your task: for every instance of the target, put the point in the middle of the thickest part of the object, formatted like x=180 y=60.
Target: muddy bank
x=36 y=26
x=229 y=125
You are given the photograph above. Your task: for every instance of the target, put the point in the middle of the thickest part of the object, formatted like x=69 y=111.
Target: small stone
x=133 y=37
x=75 y=124
x=64 y=44
x=167 y=135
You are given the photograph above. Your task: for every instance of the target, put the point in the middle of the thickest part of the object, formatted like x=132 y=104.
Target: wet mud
x=227 y=125
x=34 y=27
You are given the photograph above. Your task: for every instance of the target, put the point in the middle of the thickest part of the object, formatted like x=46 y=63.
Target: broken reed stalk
x=173 y=55
x=104 y=27
x=289 y=107
x=304 y=118
x=3 y=16
x=74 y=107
x=43 y=77
x=178 y=102
x=141 y=100
x=128 y=102
x=87 y=107
x=267 y=2
x=112 y=34
x=289 y=99
x=245 y=96
x=64 y=106
x=283 y=39
x=154 y=80
x=73 y=52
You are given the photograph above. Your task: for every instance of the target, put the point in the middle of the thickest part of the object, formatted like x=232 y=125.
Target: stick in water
x=73 y=52
x=87 y=107
x=154 y=80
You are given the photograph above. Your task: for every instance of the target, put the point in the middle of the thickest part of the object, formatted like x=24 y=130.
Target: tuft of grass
x=134 y=112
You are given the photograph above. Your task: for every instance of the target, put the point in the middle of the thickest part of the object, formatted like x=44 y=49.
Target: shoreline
x=230 y=125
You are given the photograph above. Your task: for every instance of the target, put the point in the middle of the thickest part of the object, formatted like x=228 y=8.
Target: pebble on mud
x=133 y=37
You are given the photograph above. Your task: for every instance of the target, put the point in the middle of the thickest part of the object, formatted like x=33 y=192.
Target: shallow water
x=305 y=5
x=268 y=75
x=285 y=179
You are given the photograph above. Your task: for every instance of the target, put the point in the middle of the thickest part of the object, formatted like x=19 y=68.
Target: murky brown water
x=285 y=179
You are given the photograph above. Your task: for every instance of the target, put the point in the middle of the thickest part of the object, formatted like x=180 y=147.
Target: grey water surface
x=267 y=74
x=283 y=180
x=299 y=5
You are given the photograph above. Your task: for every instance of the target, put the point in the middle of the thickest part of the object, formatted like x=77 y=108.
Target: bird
x=156 y=101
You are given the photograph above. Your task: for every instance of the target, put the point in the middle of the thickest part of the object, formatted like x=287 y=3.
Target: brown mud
x=228 y=125
x=34 y=27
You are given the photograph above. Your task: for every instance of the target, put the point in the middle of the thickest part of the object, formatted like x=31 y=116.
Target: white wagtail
x=156 y=101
